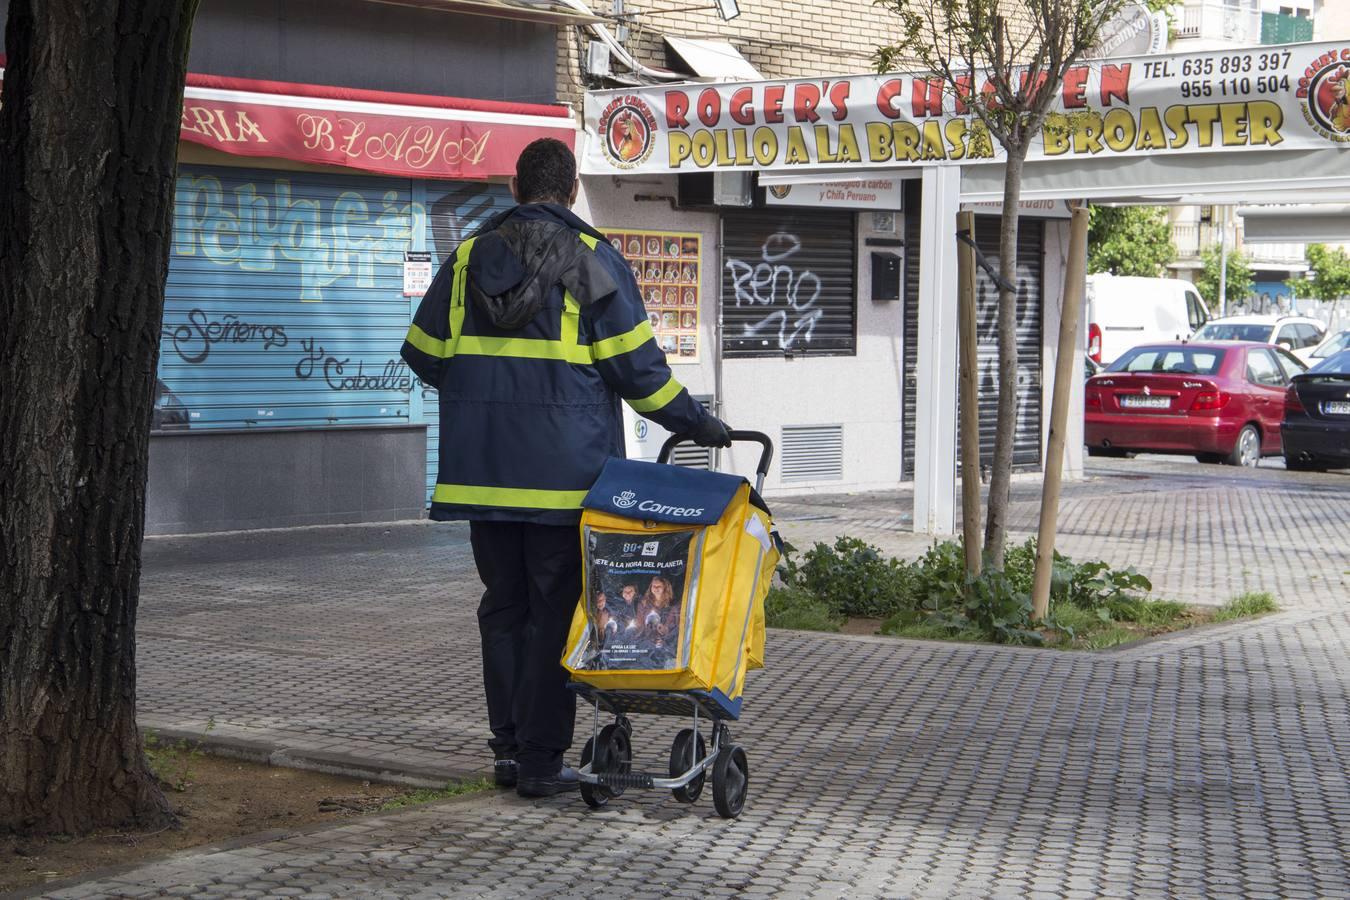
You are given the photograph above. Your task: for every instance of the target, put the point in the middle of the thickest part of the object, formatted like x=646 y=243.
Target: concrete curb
x=326 y=762
x=244 y=840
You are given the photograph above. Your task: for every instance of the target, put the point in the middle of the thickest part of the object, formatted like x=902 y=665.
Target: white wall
x=861 y=392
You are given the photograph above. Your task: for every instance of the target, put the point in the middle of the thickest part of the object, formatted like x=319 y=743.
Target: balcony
x=1277 y=28
x=1217 y=21
x=1191 y=239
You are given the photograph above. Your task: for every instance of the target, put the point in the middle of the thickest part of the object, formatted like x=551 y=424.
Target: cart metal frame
x=598 y=787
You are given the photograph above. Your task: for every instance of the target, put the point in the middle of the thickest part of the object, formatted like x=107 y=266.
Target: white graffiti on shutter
x=772 y=282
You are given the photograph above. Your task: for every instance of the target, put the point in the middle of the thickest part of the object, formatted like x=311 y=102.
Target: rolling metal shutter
x=1030 y=299
x=788 y=282
x=284 y=302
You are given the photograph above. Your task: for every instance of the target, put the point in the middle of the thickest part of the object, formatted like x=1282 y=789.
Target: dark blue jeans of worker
x=532 y=574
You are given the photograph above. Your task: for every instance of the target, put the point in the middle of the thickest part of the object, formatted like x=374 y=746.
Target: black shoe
x=505 y=773
x=566 y=780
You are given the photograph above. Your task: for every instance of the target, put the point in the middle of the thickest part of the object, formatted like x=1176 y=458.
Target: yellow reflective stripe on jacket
x=623 y=343
x=458 y=286
x=569 y=329
x=589 y=240
x=426 y=343
x=659 y=399
x=521 y=348
x=519 y=498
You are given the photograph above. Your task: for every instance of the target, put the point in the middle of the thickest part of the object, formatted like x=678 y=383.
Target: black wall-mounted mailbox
x=887 y=268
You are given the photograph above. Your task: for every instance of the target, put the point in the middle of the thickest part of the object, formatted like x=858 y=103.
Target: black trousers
x=533 y=578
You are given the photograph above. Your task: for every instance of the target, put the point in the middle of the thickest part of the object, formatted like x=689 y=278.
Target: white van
x=1124 y=311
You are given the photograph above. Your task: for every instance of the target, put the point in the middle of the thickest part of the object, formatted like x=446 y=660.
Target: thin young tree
x=1004 y=61
x=93 y=92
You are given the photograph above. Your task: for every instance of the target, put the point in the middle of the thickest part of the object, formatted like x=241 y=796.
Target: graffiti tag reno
x=262 y=231
x=788 y=295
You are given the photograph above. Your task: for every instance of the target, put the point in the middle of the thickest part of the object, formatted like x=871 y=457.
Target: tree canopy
x=1239 y=282
x=1328 y=274
x=1130 y=240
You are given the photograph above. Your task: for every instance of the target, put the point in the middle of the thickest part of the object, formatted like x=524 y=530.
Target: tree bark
x=1000 y=479
x=969 y=396
x=88 y=141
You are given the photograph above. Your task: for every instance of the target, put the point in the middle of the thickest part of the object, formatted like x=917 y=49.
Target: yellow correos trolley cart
x=677 y=562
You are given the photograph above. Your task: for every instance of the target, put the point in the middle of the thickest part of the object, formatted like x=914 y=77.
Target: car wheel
x=1110 y=452
x=1210 y=458
x=1303 y=465
x=1247 y=449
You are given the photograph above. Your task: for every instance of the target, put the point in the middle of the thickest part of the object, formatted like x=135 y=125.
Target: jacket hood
x=522 y=254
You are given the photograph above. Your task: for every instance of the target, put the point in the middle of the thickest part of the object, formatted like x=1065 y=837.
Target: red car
x=1221 y=401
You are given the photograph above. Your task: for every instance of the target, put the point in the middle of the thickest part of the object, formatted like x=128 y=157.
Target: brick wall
x=781 y=38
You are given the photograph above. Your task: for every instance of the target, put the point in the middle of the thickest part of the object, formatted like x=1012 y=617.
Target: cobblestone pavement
x=1209 y=764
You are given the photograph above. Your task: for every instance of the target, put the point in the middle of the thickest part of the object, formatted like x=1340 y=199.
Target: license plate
x=1336 y=407
x=1139 y=401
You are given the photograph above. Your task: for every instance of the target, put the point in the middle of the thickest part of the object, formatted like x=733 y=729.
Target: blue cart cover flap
x=652 y=492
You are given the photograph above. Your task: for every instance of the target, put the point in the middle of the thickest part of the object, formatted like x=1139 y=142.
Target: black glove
x=711 y=432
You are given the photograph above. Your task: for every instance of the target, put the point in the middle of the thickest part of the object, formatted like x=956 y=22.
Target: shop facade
x=808 y=321
x=310 y=215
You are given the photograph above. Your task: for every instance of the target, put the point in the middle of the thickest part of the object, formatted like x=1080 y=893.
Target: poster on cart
x=666 y=265
x=635 y=598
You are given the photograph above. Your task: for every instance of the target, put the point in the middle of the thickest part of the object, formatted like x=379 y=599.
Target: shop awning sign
x=877 y=193
x=1250 y=99
x=391 y=138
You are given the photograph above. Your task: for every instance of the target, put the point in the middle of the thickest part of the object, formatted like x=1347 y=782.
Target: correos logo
x=652 y=506
x=627 y=500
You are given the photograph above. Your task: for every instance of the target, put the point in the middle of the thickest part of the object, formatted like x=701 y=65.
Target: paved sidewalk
x=1203 y=765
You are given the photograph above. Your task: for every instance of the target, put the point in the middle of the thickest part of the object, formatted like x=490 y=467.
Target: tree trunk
x=1000 y=480
x=88 y=141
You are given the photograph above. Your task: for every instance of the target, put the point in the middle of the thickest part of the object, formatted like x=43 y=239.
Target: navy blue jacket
x=531 y=333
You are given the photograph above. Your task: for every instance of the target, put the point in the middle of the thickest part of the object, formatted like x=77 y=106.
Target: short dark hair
x=546 y=172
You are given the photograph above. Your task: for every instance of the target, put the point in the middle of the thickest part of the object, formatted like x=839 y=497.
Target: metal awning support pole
x=935 y=403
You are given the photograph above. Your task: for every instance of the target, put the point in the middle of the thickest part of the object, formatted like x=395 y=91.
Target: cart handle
x=758 y=437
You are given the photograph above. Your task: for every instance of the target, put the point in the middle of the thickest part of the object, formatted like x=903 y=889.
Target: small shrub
x=852 y=578
x=932 y=598
x=1244 y=605
x=797 y=608
x=171 y=763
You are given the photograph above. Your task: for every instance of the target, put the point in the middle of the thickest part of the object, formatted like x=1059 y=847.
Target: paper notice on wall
x=416 y=272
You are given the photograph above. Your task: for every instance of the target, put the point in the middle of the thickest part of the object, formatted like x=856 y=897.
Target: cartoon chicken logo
x=628 y=126
x=1338 y=107
x=626 y=136
x=1327 y=101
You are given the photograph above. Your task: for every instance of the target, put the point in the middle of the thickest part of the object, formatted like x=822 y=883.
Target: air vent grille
x=812 y=453
x=692 y=456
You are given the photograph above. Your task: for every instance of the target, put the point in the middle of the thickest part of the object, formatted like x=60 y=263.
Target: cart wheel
x=682 y=759
x=595 y=795
x=730 y=778
x=617 y=755
x=627 y=725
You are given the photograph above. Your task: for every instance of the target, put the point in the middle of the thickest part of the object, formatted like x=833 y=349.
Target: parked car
x=1316 y=429
x=1297 y=334
x=1124 y=311
x=1218 y=401
x=1332 y=344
